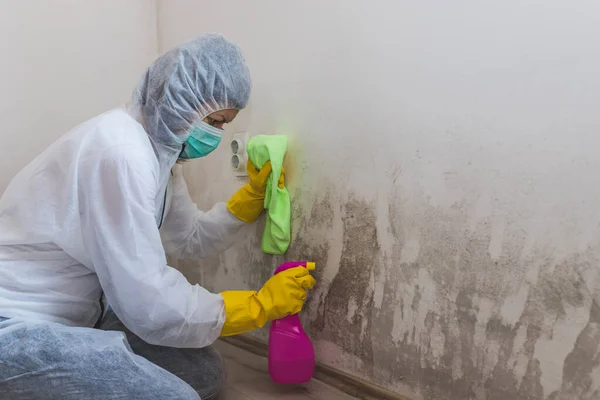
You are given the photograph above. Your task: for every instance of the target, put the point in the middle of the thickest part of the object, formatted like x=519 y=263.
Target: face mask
x=202 y=141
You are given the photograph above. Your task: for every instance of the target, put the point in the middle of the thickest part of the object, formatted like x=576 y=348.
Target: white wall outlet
x=238 y=154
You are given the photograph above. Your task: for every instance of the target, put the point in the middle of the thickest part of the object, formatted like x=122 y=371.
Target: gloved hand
x=282 y=295
x=248 y=202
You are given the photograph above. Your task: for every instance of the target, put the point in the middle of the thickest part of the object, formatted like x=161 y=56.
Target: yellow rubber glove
x=248 y=202
x=284 y=294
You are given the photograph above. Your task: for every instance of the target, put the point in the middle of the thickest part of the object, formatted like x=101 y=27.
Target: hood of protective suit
x=185 y=85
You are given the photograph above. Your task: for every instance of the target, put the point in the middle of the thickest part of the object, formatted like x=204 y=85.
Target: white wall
x=445 y=173
x=64 y=61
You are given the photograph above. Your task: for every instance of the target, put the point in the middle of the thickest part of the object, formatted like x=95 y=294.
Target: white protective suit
x=83 y=218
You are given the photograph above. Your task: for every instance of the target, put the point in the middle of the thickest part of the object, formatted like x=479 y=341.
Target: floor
x=248 y=379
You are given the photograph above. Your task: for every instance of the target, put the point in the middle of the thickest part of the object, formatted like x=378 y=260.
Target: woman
x=80 y=224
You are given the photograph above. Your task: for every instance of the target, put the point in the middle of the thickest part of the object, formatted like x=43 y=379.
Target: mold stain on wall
x=442 y=312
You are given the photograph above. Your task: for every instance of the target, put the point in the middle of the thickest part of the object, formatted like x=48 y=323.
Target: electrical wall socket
x=238 y=154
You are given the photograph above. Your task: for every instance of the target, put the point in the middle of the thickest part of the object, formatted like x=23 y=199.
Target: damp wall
x=445 y=175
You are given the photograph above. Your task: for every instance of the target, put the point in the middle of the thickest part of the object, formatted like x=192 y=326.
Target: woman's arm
x=119 y=232
x=189 y=233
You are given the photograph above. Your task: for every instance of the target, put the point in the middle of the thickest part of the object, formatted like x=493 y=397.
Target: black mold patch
x=581 y=363
x=351 y=284
x=455 y=258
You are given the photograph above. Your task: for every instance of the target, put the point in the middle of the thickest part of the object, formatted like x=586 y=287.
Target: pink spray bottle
x=291 y=353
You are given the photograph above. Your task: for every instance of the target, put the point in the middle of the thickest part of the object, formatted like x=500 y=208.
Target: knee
x=168 y=388
x=135 y=377
x=200 y=370
x=214 y=374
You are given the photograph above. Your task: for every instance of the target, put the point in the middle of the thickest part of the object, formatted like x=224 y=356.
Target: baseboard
x=345 y=382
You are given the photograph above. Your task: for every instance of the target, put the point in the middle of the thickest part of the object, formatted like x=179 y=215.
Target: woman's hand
x=282 y=295
x=248 y=202
x=259 y=177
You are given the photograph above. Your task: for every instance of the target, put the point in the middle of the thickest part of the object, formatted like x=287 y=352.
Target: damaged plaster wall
x=445 y=175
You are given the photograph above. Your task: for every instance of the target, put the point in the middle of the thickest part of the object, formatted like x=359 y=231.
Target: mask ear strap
x=211 y=129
